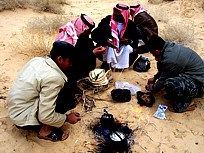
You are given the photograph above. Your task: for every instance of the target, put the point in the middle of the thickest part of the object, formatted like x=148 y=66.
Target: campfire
x=112 y=136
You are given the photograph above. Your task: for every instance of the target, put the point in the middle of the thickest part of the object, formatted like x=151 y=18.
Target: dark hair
x=155 y=43
x=64 y=49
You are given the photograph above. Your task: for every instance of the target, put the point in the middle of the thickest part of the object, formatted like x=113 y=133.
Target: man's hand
x=124 y=41
x=151 y=81
x=99 y=50
x=110 y=44
x=73 y=117
x=149 y=87
x=150 y=84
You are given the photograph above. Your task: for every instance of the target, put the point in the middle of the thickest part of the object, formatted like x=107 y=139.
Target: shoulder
x=105 y=20
x=171 y=46
x=108 y=17
x=33 y=66
x=143 y=16
x=45 y=69
x=36 y=60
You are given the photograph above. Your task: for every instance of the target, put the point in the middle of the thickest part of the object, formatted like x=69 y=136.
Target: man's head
x=134 y=9
x=117 y=16
x=121 y=13
x=155 y=46
x=88 y=21
x=63 y=54
x=83 y=25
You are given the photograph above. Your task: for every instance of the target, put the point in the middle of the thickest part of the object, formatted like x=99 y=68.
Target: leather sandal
x=55 y=135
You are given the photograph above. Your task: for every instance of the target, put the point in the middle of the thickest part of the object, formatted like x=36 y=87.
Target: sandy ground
x=179 y=133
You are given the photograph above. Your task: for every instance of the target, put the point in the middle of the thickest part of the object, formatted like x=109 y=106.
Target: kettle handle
x=105 y=111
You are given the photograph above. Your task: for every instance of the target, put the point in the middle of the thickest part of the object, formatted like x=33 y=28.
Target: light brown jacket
x=31 y=100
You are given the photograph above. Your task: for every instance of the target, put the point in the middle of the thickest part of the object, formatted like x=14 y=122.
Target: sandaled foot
x=55 y=135
x=191 y=107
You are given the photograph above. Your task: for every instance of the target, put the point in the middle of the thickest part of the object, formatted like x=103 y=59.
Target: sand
x=178 y=133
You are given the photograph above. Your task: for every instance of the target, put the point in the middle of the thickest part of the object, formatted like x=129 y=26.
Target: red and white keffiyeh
x=136 y=8
x=114 y=24
x=73 y=29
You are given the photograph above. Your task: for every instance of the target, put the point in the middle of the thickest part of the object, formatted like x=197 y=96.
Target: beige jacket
x=31 y=100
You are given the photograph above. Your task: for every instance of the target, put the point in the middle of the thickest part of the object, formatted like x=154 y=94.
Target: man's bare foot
x=191 y=107
x=51 y=133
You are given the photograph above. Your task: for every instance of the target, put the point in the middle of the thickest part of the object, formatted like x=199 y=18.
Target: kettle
x=107 y=120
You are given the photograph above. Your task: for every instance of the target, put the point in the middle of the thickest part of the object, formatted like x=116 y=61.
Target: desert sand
x=178 y=133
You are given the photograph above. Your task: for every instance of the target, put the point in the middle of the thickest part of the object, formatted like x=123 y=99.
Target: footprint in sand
x=2 y=44
x=180 y=134
x=3 y=126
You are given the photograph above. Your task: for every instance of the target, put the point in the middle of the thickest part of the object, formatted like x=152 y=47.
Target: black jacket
x=85 y=59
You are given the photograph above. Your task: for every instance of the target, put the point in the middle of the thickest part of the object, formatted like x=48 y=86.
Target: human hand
x=124 y=41
x=110 y=44
x=149 y=87
x=73 y=118
x=151 y=81
x=99 y=50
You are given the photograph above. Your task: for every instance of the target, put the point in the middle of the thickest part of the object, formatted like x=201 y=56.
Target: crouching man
x=180 y=73
x=34 y=101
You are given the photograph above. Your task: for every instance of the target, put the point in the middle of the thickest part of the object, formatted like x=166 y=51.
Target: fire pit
x=112 y=136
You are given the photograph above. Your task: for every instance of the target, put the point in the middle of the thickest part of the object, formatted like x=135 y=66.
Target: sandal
x=55 y=135
x=191 y=107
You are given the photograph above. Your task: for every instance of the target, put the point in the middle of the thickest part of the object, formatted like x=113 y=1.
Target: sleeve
x=87 y=64
x=133 y=34
x=86 y=57
x=139 y=20
x=102 y=33
x=47 y=104
x=168 y=70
